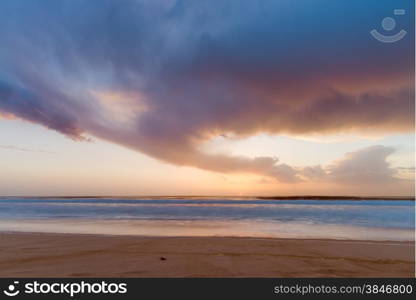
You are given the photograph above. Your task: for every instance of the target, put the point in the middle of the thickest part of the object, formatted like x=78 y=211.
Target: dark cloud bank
x=164 y=77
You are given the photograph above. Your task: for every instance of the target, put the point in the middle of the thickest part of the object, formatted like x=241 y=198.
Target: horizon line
x=263 y=197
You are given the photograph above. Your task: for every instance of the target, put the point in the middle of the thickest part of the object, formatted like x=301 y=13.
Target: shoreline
x=91 y=255
x=203 y=236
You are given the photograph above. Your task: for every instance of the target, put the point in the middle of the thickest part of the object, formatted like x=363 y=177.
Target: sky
x=181 y=97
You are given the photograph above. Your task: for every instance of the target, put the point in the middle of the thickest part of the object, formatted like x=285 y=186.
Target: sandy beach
x=70 y=255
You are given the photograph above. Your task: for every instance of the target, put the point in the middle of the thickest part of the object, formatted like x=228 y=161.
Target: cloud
x=188 y=71
x=9 y=147
x=364 y=166
x=27 y=105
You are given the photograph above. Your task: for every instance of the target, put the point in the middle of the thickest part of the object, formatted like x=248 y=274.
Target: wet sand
x=71 y=255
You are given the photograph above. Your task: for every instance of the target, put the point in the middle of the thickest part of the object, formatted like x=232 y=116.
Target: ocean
x=388 y=220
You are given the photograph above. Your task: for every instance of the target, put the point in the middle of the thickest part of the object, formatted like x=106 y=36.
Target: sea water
x=391 y=220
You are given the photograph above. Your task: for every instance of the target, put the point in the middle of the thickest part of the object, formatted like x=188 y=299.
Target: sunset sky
x=236 y=97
